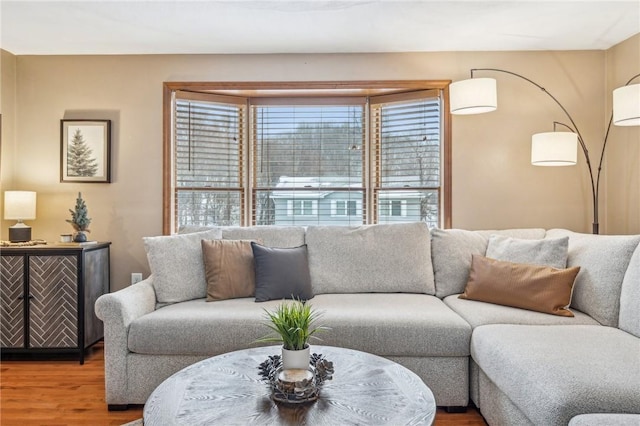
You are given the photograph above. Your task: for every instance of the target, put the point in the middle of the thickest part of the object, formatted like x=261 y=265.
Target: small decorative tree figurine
x=79 y=220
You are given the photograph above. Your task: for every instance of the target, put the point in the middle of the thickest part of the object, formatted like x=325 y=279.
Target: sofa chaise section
x=551 y=374
x=605 y=419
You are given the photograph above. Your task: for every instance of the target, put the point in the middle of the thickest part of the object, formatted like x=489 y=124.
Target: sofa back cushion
x=552 y=252
x=603 y=261
x=177 y=266
x=451 y=250
x=269 y=236
x=393 y=258
x=629 y=319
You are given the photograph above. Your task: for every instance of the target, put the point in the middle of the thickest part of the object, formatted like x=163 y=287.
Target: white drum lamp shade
x=626 y=105
x=554 y=149
x=19 y=205
x=473 y=96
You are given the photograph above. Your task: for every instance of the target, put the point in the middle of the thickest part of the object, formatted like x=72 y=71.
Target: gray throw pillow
x=549 y=252
x=281 y=273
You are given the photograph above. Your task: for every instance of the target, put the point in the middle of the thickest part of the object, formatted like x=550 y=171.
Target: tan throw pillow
x=532 y=287
x=229 y=270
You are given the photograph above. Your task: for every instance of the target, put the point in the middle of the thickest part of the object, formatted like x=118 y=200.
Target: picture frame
x=85 y=151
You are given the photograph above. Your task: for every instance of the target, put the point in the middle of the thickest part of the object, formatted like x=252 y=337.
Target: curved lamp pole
x=595 y=180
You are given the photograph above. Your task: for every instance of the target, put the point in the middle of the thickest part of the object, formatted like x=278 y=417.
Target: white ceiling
x=311 y=26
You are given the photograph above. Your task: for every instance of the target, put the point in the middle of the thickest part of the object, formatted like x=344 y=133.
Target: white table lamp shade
x=554 y=149
x=473 y=96
x=626 y=105
x=19 y=205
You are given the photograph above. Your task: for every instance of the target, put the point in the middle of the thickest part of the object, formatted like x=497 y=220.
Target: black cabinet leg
x=118 y=407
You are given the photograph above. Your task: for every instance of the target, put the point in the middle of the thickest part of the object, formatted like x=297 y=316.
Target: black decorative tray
x=296 y=386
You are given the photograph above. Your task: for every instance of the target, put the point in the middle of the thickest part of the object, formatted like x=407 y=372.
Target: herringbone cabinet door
x=54 y=306
x=12 y=301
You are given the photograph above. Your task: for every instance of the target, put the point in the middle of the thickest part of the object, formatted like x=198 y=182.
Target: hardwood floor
x=57 y=393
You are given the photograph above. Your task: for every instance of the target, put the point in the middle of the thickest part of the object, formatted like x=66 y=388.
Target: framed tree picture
x=85 y=151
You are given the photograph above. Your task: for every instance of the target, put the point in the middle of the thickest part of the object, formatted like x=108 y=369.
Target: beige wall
x=622 y=156
x=8 y=111
x=494 y=185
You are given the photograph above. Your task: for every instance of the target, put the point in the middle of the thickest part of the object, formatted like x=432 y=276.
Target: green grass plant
x=293 y=324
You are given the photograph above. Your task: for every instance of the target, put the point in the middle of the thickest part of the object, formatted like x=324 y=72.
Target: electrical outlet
x=136 y=277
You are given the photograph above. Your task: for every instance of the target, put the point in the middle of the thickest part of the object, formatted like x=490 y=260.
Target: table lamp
x=19 y=205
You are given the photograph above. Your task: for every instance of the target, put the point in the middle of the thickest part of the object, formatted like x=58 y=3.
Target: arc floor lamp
x=479 y=95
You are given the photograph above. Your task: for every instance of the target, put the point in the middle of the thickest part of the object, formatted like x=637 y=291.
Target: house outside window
x=344 y=208
x=306 y=160
x=302 y=207
x=396 y=208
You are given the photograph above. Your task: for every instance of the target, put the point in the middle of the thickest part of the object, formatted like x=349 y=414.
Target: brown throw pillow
x=532 y=287
x=228 y=267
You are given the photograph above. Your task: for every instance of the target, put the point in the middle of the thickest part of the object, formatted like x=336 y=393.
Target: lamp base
x=19 y=234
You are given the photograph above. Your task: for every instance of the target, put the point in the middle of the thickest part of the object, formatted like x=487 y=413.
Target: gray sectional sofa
x=392 y=290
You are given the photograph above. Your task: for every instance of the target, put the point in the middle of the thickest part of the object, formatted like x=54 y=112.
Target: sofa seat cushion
x=600 y=419
x=383 y=324
x=553 y=373
x=480 y=313
x=393 y=324
x=197 y=327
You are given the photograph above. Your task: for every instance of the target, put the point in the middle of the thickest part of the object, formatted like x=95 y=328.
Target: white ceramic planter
x=296 y=359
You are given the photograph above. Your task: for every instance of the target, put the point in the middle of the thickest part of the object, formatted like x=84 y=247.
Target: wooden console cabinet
x=48 y=295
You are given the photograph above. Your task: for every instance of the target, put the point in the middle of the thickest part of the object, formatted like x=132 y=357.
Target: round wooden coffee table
x=227 y=390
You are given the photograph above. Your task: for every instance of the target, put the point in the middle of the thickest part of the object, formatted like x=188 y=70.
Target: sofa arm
x=117 y=310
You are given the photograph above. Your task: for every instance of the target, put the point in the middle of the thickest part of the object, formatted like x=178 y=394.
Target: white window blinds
x=208 y=162
x=304 y=161
x=307 y=158
x=407 y=138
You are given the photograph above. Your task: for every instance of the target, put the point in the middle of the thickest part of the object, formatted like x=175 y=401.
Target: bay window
x=306 y=154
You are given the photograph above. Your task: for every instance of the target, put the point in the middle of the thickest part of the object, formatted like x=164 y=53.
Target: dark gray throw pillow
x=281 y=273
